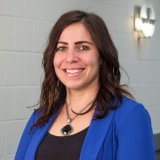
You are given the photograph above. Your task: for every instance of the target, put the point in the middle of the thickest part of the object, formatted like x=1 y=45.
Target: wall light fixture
x=144 y=20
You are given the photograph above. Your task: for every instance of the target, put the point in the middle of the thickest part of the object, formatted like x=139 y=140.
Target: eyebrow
x=62 y=42
x=78 y=42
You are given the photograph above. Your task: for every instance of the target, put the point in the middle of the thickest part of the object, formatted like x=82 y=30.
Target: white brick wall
x=24 y=28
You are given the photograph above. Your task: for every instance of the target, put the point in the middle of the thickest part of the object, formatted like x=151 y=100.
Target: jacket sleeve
x=135 y=136
x=25 y=139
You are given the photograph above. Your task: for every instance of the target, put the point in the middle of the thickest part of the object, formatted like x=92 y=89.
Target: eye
x=83 y=47
x=61 y=48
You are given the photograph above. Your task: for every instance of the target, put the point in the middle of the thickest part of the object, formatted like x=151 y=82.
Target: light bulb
x=138 y=24
x=148 y=29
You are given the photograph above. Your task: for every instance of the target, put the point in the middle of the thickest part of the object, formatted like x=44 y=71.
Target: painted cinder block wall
x=24 y=28
x=141 y=59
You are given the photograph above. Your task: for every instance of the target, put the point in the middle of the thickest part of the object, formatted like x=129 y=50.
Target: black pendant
x=67 y=130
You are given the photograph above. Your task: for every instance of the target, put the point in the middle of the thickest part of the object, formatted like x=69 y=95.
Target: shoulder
x=34 y=116
x=131 y=112
x=32 y=119
x=128 y=105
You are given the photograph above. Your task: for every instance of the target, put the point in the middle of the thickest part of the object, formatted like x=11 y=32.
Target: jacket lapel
x=95 y=137
x=37 y=138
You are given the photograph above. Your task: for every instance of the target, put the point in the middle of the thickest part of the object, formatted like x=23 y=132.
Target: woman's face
x=76 y=60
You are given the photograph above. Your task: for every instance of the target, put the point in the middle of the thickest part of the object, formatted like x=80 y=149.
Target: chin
x=74 y=87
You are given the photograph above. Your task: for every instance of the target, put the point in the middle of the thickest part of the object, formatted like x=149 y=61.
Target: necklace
x=68 y=128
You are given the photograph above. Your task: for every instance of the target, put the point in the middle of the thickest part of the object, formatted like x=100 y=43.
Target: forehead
x=75 y=31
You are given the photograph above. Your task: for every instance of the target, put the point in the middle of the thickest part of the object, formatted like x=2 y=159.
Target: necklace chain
x=81 y=111
x=68 y=128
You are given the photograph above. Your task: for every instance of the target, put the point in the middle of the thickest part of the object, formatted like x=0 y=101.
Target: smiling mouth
x=73 y=72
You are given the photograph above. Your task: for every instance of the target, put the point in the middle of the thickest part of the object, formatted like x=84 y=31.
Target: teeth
x=73 y=70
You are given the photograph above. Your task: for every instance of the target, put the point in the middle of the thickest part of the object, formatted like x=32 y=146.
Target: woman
x=84 y=112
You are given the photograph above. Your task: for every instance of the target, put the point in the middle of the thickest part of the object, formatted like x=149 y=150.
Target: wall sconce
x=144 y=20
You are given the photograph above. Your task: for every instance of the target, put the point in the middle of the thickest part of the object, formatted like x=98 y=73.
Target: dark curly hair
x=53 y=92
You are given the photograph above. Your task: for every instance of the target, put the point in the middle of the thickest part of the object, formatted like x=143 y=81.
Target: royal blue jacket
x=124 y=134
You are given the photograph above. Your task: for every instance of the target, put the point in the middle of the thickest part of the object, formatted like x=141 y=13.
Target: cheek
x=56 y=61
x=91 y=60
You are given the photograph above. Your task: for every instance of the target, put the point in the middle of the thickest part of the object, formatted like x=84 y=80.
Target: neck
x=78 y=99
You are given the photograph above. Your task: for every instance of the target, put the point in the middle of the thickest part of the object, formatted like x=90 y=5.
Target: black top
x=61 y=147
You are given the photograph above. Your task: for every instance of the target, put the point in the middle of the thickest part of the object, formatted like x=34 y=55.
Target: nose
x=71 y=56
